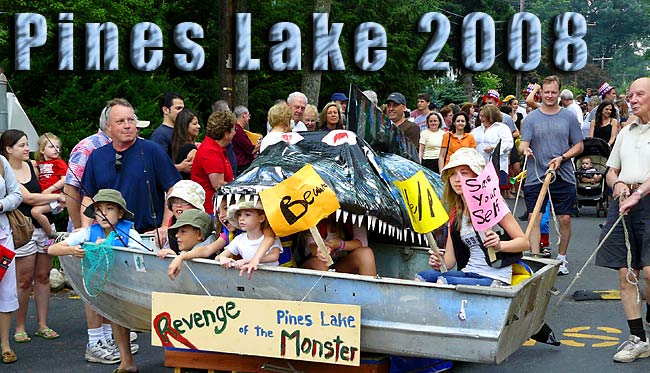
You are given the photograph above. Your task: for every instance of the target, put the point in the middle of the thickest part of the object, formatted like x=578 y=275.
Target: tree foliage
x=68 y=102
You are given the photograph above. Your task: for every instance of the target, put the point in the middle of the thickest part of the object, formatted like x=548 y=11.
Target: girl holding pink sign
x=465 y=248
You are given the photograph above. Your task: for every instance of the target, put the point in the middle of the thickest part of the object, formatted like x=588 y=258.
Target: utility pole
x=4 y=111
x=602 y=60
x=225 y=52
x=522 y=6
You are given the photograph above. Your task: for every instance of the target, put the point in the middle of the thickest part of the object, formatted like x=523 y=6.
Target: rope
x=197 y=279
x=521 y=183
x=312 y=287
x=577 y=276
x=630 y=271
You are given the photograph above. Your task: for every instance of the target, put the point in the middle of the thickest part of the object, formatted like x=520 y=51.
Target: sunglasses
x=118 y=162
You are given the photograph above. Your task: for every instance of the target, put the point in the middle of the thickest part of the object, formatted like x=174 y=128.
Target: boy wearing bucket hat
x=110 y=214
x=192 y=228
x=250 y=218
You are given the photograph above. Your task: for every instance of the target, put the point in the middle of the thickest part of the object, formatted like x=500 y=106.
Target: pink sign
x=483 y=197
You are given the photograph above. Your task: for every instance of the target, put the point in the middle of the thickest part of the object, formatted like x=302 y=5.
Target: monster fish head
x=361 y=178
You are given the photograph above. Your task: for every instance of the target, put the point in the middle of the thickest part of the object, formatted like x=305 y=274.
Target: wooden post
x=321 y=245
x=434 y=247
x=538 y=204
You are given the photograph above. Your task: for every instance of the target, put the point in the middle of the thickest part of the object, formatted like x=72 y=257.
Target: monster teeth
x=255 y=199
x=419 y=239
x=247 y=197
x=345 y=216
x=354 y=218
x=338 y=214
x=360 y=220
x=237 y=197
x=218 y=203
x=399 y=235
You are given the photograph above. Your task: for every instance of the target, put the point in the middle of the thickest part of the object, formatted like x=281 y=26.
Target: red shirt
x=211 y=158
x=49 y=172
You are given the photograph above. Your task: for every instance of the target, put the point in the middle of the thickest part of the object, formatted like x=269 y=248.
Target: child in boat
x=348 y=246
x=191 y=229
x=51 y=177
x=186 y=195
x=250 y=218
x=464 y=247
x=227 y=233
x=110 y=214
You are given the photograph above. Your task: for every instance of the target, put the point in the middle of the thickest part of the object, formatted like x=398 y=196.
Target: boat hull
x=398 y=316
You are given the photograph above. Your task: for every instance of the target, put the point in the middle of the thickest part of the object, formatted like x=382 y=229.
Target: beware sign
x=299 y=202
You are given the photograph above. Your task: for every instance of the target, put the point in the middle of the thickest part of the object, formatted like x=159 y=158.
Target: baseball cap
x=397 y=98
x=339 y=96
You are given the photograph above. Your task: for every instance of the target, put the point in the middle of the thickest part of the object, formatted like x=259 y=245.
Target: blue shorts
x=563 y=197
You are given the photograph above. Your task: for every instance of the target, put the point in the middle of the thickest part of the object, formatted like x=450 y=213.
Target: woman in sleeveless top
x=32 y=261
x=605 y=125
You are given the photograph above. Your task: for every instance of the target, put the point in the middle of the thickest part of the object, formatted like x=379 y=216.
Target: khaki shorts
x=37 y=245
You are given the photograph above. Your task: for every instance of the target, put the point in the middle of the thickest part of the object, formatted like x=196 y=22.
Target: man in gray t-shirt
x=553 y=133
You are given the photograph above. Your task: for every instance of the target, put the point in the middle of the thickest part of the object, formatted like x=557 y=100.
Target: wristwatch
x=639 y=191
x=563 y=157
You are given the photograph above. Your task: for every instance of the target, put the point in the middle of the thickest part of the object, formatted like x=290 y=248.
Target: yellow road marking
x=575 y=332
x=607 y=329
x=529 y=343
x=591 y=336
x=605 y=344
x=572 y=343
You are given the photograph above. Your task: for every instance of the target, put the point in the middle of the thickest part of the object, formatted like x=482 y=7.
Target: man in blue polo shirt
x=143 y=173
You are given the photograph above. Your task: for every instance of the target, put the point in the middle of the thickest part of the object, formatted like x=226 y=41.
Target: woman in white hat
x=465 y=249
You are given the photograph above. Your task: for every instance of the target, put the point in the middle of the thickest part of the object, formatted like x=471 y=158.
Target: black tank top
x=33 y=187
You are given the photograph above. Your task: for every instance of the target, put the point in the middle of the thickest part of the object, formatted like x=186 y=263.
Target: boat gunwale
x=505 y=292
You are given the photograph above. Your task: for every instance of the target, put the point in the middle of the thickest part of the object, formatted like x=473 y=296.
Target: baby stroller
x=590 y=184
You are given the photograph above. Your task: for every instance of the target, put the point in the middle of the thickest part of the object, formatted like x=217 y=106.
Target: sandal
x=9 y=357
x=545 y=252
x=21 y=337
x=121 y=370
x=47 y=333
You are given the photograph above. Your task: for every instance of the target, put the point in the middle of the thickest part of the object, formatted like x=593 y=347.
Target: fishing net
x=96 y=265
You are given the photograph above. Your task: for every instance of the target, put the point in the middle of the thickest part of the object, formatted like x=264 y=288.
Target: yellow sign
x=254 y=137
x=425 y=209
x=299 y=202
x=320 y=332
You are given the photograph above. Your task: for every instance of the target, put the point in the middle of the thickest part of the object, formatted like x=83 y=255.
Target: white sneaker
x=632 y=349
x=133 y=336
x=564 y=269
x=110 y=342
x=101 y=353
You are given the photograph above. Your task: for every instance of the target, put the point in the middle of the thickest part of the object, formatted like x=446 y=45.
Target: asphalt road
x=590 y=330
